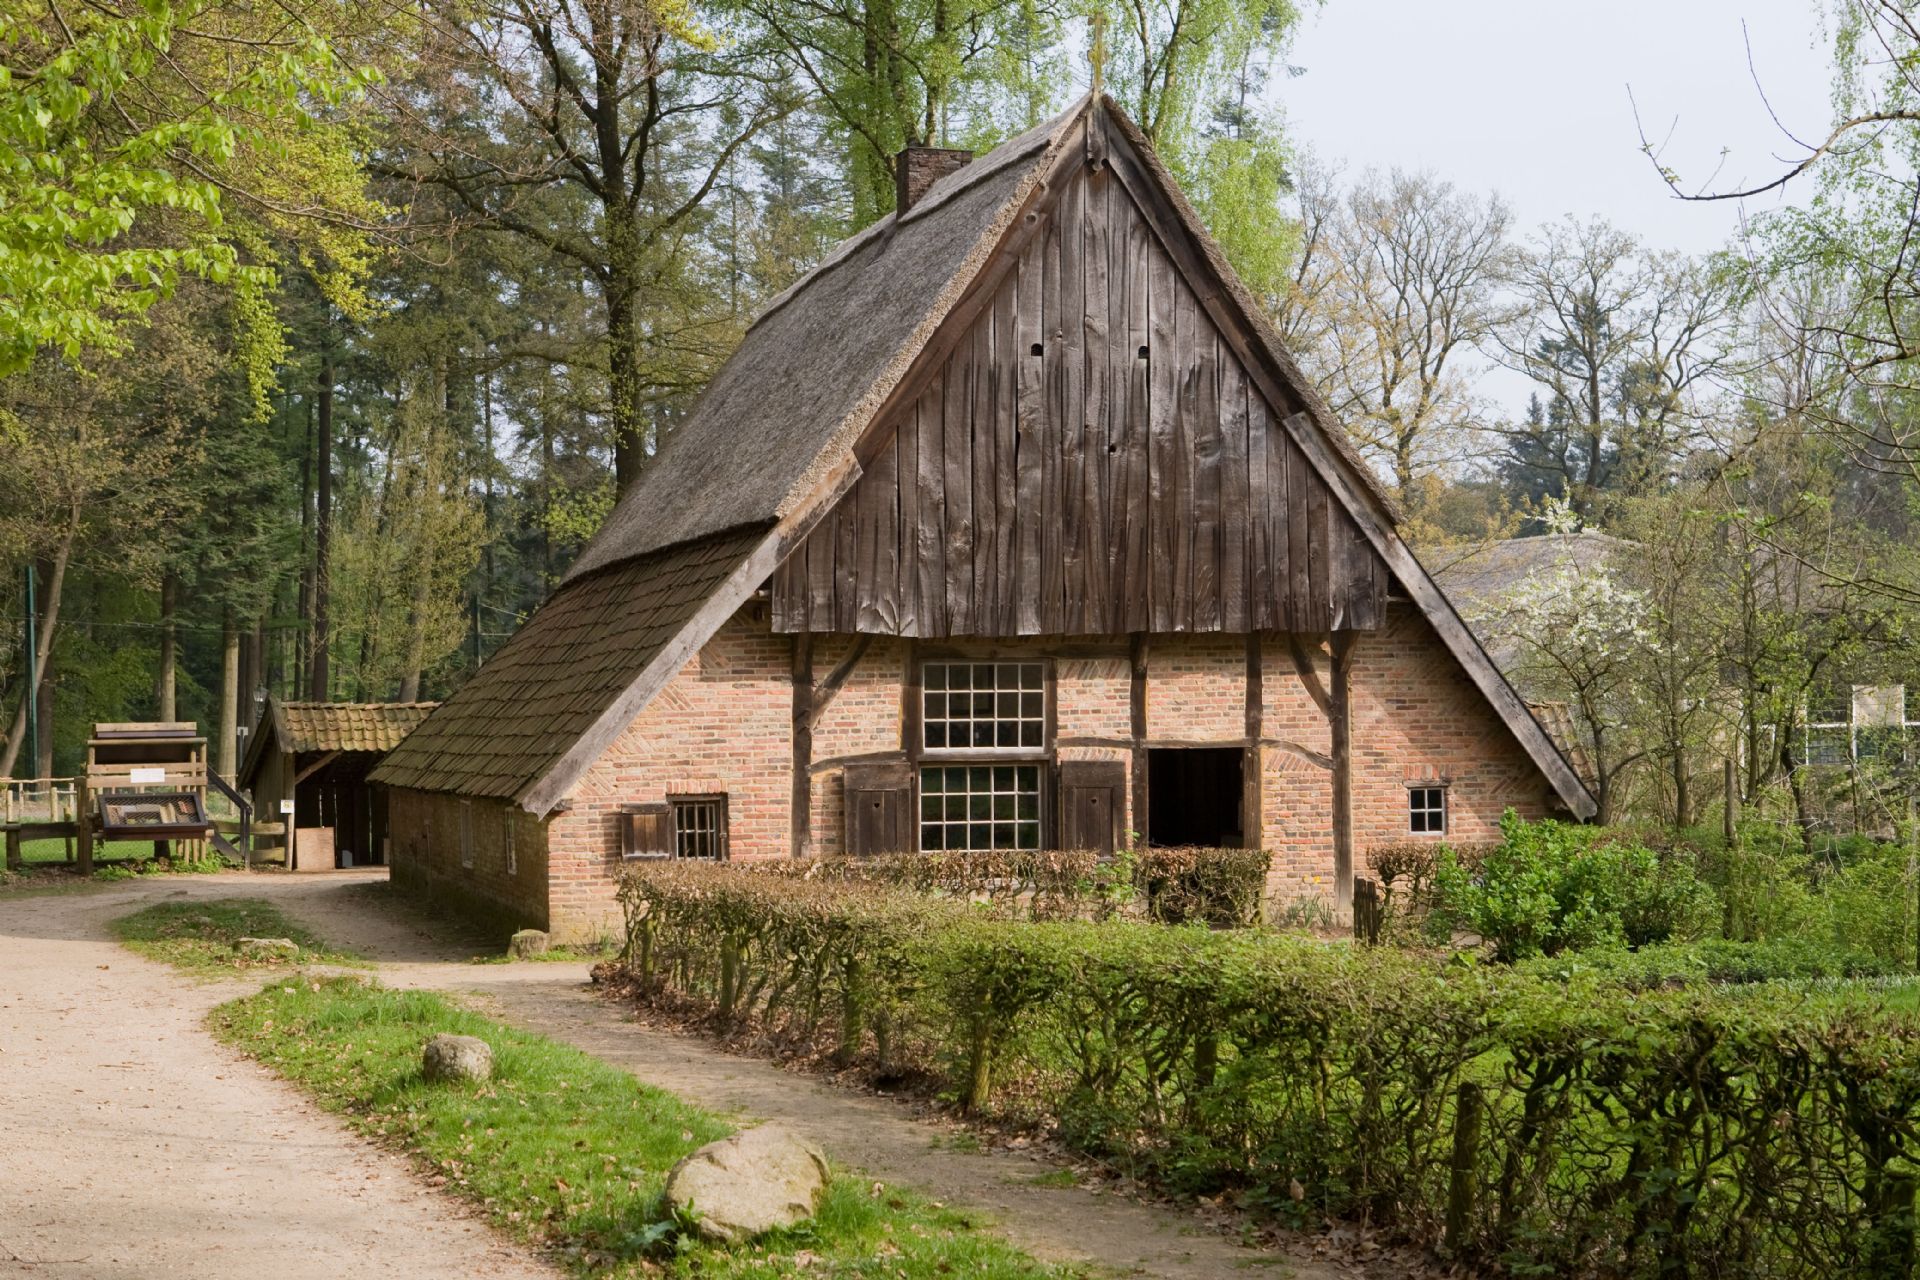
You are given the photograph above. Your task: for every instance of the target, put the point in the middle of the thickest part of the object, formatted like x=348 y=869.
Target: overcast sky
x=1530 y=98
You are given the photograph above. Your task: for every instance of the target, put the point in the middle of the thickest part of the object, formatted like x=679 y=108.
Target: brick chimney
x=918 y=168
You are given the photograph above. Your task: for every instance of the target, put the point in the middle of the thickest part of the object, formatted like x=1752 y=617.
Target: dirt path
x=132 y=1144
x=881 y=1137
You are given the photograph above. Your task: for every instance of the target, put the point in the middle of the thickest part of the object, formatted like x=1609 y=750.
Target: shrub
x=1220 y=887
x=1549 y=887
x=1632 y=1125
x=1713 y=961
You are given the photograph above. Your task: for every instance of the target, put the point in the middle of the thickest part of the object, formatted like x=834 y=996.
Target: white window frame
x=965 y=822
x=940 y=697
x=1415 y=808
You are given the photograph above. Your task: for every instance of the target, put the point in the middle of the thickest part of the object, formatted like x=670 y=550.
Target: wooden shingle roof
x=557 y=676
x=346 y=726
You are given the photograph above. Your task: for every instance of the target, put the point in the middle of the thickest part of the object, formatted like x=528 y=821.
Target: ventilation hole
x=1143 y=353
x=1113 y=448
x=1037 y=348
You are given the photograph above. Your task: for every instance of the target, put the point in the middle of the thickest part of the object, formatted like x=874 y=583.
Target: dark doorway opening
x=1193 y=796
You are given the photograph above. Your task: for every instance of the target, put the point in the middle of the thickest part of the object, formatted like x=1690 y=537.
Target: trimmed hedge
x=1221 y=887
x=1568 y=1125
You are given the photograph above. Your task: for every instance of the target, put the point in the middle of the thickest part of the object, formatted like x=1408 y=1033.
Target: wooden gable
x=1087 y=456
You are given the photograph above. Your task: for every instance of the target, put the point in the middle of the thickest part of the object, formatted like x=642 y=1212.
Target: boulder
x=528 y=943
x=448 y=1057
x=756 y=1180
x=265 y=948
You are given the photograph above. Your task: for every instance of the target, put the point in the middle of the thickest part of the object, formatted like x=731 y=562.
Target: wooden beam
x=800 y=815
x=1138 y=655
x=1309 y=678
x=326 y=758
x=1253 y=775
x=1340 y=725
x=842 y=670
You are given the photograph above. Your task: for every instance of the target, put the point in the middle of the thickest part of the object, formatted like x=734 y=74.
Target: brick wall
x=724 y=724
x=481 y=858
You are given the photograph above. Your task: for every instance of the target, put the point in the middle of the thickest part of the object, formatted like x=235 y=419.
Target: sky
x=1530 y=98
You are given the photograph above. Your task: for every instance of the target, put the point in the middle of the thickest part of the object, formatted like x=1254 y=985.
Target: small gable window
x=1427 y=811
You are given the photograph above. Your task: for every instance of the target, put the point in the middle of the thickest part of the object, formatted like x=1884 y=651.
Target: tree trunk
x=49 y=618
x=43 y=756
x=317 y=682
x=165 y=686
x=417 y=626
x=626 y=396
x=229 y=696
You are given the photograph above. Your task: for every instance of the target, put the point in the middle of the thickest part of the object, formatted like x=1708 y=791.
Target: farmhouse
x=1010 y=525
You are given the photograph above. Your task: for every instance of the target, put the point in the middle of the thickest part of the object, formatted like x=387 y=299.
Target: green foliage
x=104 y=129
x=1633 y=1110
x=1549 y=887
x=562 y=1149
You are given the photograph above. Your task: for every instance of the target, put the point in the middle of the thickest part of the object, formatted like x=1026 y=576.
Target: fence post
x=1366 y=910
x=1469 y=1105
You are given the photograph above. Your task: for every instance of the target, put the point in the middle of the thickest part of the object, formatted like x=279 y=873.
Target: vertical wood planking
x=1163 y=439
x=981 y=474
x=957 y=472
x=1209 y=450
x=1093 y=616
x=1005 y=415
x=846 y=592
x=1069 y=332
x=1320 y=550
x=907 y=458
x=885 y=481
x=1299 y=589
x=1133 y=585
x=1187 y=408
x=932 y=534
x=1236 y=486
x=1029 y=430
x=1052 y=371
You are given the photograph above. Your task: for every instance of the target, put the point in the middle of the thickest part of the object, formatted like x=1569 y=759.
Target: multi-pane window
x=700 y=827
x=980 y=806
x=984 y=706
x=1830 y=725
x=1427 y=810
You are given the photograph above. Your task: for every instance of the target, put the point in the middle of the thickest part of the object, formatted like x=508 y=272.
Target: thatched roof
x=551 y=682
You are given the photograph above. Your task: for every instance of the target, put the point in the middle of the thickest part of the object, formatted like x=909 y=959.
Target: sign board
x=141 y=777
x=286 y=806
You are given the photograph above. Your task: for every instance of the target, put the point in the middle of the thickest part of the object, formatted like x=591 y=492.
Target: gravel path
x=132 y=1144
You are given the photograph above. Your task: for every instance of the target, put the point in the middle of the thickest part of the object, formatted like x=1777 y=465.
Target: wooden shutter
x=1090 y=804
x=880 y=807
x=646 y=831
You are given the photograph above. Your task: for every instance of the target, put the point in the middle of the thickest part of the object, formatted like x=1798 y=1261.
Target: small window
x=984 y=706
x=1427 y=811
x=700 y=827
x=466 y=834
x=980 y=806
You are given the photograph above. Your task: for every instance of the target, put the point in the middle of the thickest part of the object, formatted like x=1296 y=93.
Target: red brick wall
x=486 y=875
x=724 y=724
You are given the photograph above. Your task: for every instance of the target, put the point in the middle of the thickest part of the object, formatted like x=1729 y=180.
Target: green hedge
x=1672 y=1131
x=1221 y=887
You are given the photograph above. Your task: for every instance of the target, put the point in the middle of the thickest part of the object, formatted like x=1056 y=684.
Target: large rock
x=754 y=1181
x=456 y=1058
x=528 y=943
x=266 y=948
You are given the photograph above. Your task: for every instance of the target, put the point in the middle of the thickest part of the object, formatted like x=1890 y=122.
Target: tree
x=597 y=130
x=141 y=143
x=1394 y=286
x=1577 y=629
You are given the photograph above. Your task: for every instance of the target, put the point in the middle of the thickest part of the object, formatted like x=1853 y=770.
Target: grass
x=54 y=849
x=199 y=936
x=566 y=1152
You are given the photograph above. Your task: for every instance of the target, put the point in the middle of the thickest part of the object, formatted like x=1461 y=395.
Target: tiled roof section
x=349 y=726
x=548 y=685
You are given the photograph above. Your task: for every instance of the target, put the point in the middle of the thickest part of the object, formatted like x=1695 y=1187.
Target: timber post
x=800 y=822
x=1340 y=742
x=83 y=826
x=13 y=848
x=1139 y=650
